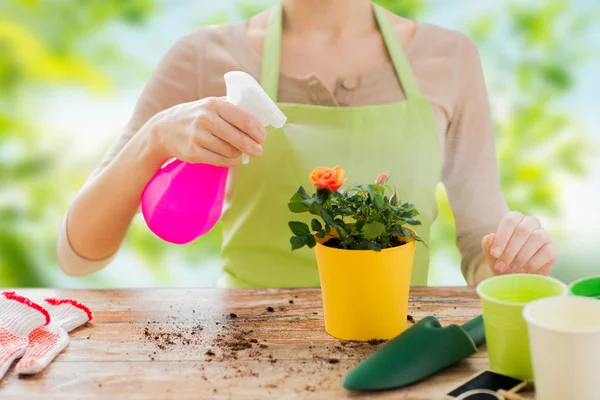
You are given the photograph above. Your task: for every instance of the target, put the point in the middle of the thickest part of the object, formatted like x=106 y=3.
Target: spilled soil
x=166 y=335
x=234 y=336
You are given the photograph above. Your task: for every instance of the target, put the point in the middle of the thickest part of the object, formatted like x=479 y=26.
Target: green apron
x=397 y=137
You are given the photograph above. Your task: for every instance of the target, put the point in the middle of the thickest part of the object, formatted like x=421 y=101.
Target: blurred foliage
x=530 y=51
x=38 y=47
x=538 y=144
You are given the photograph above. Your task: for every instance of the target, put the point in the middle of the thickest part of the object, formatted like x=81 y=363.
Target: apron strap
x=269 y=75
x=271 y=56
x=404 y=71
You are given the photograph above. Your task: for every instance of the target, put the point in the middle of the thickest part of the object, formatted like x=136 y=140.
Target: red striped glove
x=46 y=342
x=18 y=318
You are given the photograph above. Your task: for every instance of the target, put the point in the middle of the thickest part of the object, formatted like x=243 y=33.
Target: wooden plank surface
x=186 y=344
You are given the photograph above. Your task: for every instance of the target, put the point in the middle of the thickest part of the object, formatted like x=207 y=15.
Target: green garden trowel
x=419 y=352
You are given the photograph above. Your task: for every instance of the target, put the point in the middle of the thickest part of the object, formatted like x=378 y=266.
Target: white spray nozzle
x=245 y=92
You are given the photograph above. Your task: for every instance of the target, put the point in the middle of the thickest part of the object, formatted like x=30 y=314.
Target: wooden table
x=223 y=344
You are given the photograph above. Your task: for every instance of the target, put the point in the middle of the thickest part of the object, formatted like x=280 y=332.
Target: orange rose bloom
x=328 y=178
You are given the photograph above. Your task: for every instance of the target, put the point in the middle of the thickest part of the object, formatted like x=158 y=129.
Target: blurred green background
x=70 y=73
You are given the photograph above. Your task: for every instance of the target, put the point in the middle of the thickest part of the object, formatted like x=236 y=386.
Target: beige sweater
x=447 y=66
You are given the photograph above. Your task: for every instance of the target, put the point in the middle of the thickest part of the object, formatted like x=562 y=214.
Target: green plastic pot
x=503 y=299
x=586 y=287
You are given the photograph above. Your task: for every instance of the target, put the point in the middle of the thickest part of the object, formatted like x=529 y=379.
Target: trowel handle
x=475 y=330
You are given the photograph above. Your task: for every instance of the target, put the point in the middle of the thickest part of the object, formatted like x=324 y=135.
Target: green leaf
x=397 y=230
x=384 y=241
x=413 y=222
x=321 y=234
x=372 y=189
x=340 y=194
x=359 y=225
x=345 y=211
x=374 y=246
x=315 y=224
x=362 y=246
x=296 y=204
x=299 y=228
x=322 y=196
x=349 y=240
x=314 y=209
x=297 y=242
x=312 y=206
x=302 y=193
x=327 y=218
x=342 y=229
x=409 y=235
x=373 y=230
x=351 y=228
x=379 y=200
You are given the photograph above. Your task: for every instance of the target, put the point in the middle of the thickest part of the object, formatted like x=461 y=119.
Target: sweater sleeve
x=172 y=82
x=471 y=173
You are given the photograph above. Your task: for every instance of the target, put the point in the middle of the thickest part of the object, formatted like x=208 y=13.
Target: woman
x=362 y=88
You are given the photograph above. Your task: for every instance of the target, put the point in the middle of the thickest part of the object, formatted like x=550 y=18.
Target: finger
x=486 y=243
x=486 y=246
x=536 y=241
x=217 y=145
x=205 y=156
x=238 y=139
x=505 y=231
x=518 y=239
x=543 y=260
x=242 y=120
x=545 y=270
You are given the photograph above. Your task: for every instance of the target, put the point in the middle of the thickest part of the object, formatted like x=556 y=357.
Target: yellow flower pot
x=365 y=292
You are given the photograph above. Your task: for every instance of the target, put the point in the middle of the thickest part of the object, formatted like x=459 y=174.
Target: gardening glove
x=46 y=342
x=18 y=318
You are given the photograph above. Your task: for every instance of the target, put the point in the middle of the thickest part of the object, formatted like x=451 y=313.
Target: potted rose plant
x=364 y=251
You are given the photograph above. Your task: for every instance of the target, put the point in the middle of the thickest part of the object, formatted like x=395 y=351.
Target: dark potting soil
x=235 y=341
x=337 y=244
x=166 y=335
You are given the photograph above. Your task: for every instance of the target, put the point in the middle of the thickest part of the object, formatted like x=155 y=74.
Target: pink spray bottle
x=184 y=201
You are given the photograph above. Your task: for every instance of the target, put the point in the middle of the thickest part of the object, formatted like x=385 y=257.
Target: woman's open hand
x=208 y=131
x=520 y=245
